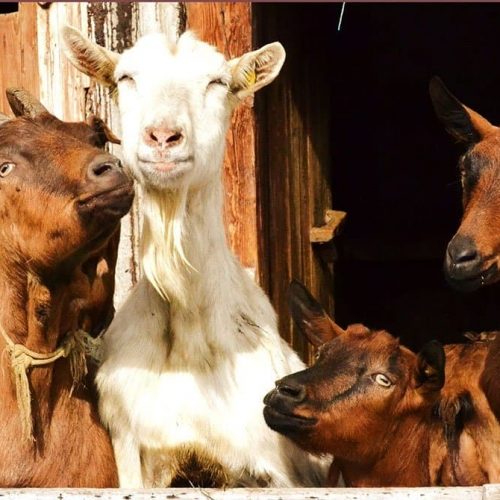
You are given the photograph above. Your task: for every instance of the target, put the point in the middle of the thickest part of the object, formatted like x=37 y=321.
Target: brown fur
x=416 y=432
x=58 y=248
x=480 y=171
x=480 y=225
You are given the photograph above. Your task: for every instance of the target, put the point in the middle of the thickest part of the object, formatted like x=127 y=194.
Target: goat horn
x=23 y=103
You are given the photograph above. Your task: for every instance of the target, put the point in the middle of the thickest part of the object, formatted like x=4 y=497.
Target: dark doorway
x=395 y=167
x=391 y=166
x=9 y=7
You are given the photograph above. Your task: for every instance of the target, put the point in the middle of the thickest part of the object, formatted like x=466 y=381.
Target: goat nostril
x=153 y=137
x=462 y=250
x=102 y=169
x=174 y=138
x=295 y=392
x=466 y=256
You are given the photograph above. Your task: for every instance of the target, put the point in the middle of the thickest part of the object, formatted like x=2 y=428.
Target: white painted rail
x=487 y=492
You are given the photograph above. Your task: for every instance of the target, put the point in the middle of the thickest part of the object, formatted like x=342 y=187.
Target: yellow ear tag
x=251 y=78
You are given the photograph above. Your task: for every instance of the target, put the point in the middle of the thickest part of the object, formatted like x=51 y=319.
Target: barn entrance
x=359 y=104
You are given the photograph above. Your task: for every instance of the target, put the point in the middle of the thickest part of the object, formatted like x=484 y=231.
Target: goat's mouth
x=470 y=282
x=168 y=168
x=111 y=202
x=287 y=423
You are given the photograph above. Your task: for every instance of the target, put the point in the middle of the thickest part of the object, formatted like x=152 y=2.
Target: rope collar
x=76 y=346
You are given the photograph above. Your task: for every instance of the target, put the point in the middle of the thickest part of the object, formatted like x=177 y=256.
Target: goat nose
x=462 y=251
x=291 y=390
x=163 y=138
x=106 y=170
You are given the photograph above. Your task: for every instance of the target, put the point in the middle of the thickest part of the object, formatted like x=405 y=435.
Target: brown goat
x=473 y=254
x=61 y=201
x=386 y=414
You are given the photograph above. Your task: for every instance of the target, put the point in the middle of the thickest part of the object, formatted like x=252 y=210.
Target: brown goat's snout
x=281 y=406
x=286 y=395
x=106 y=172
x=465 y=267
x=462 y=253
x=290 y=390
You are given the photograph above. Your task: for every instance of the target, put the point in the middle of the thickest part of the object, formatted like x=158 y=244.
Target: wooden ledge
x=487 y=492
x=334 y=220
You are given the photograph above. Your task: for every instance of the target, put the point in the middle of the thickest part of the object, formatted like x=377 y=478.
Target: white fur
x=192 y=352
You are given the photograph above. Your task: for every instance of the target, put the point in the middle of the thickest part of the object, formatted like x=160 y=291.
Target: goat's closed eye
x=382 y=380
x=217 y=81
x=6 y=168
x=126 y=78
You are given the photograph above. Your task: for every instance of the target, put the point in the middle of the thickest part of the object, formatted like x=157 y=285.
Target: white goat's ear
x=88 y=57
x=256 y=69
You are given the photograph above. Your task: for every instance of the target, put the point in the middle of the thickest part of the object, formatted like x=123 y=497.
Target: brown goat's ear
x=104 y=132
x=310 y=318
x=429 y=375
x=463 y=123
x=88 y=57
x=23 y=103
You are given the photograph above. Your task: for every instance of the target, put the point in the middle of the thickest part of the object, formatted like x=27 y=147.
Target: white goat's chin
x=163 y=173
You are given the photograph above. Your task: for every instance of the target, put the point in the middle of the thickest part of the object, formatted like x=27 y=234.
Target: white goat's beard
x=163 y=259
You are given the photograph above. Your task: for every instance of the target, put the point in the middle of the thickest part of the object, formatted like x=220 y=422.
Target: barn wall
x=294 y=161
x=19 y=51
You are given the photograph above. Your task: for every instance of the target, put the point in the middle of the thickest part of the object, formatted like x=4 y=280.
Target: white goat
x=192 y=352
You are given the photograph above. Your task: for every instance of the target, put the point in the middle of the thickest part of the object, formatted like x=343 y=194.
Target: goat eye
x=6 y=169
x=382 y=380
x=126 y=78
x=217 y=81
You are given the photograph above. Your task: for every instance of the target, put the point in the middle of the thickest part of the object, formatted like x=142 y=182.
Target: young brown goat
x=385 y=413
x=61 y=201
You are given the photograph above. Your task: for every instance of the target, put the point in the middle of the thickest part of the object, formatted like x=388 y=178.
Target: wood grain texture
x=294 y=161
x=487 y=492
x=19 y=52
x=228 y=26
x=334 y=219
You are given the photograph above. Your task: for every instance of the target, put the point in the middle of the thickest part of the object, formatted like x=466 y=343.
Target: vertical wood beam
x=19 y=52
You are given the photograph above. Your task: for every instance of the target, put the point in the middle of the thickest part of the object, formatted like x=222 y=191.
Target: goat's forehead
x=372 y=344
x=42 y=138
x=155 y=53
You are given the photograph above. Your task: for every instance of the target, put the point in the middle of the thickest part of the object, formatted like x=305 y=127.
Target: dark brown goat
x=61 y=201
x=473 y=254
x=386 y=414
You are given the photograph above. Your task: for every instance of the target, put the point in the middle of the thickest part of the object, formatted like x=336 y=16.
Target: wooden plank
x=28 y=48
x=295 y=160
x=228 y=26
x=488 y=492
x=19 y=52
x=334 y=220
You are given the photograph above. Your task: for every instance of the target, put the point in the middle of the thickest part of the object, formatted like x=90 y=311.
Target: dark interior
x=8 y=7
x=393 y=167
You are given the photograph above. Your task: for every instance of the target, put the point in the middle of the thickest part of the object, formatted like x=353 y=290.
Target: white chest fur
x=168 y=398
